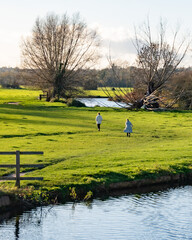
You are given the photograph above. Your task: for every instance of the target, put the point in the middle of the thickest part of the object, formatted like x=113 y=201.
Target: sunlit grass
x=76 y=153
x=105 y=92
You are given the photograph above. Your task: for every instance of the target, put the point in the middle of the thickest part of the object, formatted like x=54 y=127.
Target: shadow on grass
x=181 y=167
x=110 y=176
x=48 y=117
x=31 y=135
x=38 y=134
x=43 y=111
x=173 y=111
x=51 y=111
x=113 y=177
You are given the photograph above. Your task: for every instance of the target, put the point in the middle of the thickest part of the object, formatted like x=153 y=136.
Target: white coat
x=128 y=127
x=99 y=119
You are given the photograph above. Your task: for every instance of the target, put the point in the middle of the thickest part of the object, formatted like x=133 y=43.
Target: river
x=101 y=102
x=156 y=215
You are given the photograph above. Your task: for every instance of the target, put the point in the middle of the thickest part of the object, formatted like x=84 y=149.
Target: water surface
x=160 y=215
x=101 y=102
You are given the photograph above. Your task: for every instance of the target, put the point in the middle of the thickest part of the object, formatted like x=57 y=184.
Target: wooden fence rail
x=44 y=95
x=18 y=166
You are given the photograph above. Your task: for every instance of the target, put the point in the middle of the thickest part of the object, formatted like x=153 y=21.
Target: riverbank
x=17 y=202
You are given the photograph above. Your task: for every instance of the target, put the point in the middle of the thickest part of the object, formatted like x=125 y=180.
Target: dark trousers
x=98 y=126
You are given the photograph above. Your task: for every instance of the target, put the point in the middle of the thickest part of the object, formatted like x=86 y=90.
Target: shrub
x=71 y=102
x=14 y=85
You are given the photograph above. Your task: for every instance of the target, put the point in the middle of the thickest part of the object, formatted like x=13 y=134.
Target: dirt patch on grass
x=14 y=103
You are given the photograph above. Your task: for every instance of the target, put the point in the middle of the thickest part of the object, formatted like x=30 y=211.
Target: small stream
x=156 y=215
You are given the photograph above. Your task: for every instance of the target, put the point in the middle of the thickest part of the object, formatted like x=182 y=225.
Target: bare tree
x=158 y=60
x=58 y=49
x=120 y=74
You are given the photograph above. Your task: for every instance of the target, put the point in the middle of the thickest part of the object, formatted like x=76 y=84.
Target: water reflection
x=17 y=227
x=159 y=215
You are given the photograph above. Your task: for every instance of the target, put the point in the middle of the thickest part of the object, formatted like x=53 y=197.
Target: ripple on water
x=160 y=215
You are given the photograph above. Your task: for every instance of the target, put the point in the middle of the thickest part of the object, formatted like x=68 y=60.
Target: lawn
x=75 y=153
x=105 y=91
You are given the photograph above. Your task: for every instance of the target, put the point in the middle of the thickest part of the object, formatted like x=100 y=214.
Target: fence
x=18 y=166
x=44 y=95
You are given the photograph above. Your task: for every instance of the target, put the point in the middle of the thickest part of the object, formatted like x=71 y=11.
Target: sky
x=114 y=20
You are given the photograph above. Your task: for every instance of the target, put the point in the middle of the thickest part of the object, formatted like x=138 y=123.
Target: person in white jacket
x=98 y=120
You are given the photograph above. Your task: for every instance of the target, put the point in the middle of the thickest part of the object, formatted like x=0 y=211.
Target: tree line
x=178 y=90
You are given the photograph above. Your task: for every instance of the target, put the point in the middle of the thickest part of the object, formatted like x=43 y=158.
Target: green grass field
x=75 y=153
x=104 y=92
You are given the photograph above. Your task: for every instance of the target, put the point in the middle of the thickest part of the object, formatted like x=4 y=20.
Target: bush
x=57 y=100
x=14 y=85
x=71 y=102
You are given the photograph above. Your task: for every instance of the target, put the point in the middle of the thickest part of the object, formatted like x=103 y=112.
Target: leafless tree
x=58 y=49
x=121 y=72
x=158 y=59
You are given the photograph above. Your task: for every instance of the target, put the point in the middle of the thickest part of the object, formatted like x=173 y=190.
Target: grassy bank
x=77 y=155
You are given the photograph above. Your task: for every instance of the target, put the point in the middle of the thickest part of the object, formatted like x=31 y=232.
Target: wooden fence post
x=18 y=178
x=18 y=169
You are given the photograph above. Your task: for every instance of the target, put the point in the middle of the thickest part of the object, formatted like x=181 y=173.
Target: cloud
x=120 y=47
x=116 y=42
x=119 y=50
